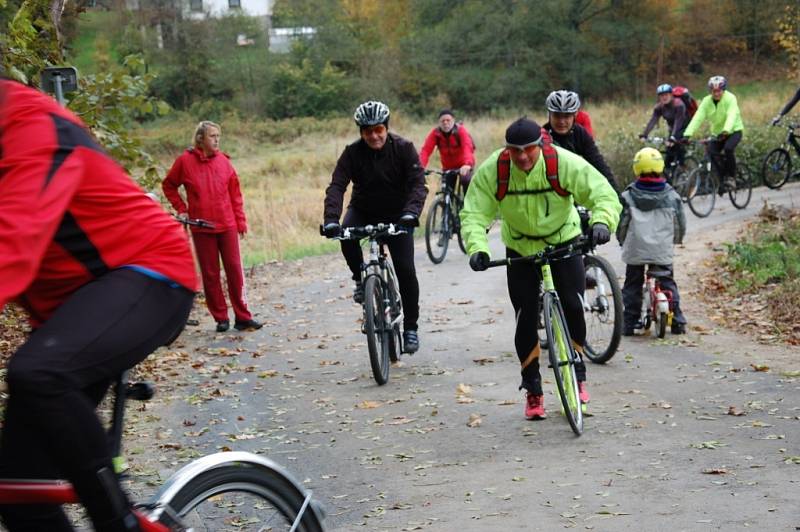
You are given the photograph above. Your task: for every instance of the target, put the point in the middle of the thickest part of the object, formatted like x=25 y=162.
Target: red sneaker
x=534 y=407
x=583 y=393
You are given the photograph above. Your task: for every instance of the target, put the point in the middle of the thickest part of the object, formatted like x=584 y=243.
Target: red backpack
x=687 y=99
x=551 y=167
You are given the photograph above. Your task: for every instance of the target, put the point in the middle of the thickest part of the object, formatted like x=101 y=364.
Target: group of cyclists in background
x=74 y=229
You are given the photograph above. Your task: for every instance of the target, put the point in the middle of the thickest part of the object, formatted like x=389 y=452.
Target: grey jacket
x=651 y=222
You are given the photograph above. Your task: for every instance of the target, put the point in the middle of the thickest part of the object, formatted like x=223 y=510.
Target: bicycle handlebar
x=368 y=231
x=579 y=246
x=196 y=222
x=442 y=172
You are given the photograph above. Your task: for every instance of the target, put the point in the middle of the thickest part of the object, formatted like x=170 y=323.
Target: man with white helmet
x=721 y=109
x=389 y=187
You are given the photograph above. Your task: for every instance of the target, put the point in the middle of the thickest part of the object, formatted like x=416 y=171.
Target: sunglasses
x=379 y=129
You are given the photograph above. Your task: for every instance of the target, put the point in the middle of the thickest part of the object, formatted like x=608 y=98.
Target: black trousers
x=58 y=377
x=632 y=293
x=523 y=281
x=723 y=154
x=401 y=248
x=676 y=152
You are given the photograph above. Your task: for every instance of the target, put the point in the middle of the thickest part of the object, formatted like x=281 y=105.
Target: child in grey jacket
x=652 y=221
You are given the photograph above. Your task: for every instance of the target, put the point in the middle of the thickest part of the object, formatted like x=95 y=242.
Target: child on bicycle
x=652 y=221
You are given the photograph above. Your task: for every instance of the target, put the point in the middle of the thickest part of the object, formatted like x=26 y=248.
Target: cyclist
x=652 y=220
x=673 y=111
x=534 y=215
x=106 y=277
x=456 y=149
x=786 y=108
x=213 y=194
x=562 y=108
x=721 y=109
x=388 y=186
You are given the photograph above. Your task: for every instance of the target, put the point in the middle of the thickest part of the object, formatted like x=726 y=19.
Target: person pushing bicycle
x=652 y=222
x=456 y=149
x=106 y=277
x=721 y=109
x=388 y=186
x=536 y=201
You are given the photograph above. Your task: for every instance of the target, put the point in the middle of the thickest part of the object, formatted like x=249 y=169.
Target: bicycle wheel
x=235 y=497
x=377 y=335
x=662 y=325
x=457 y=223
x=395 y=308
x=437 y=232
x=776 y=168
x=681 y=181
x=562 y=360
x=701 y=202
x=602 y=309
x=743 y=189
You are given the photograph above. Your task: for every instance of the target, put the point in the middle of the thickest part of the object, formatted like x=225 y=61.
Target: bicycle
x=777 y=166
x=383 y=307
x=678 y=175
x=562 y=354
x=195 y=222
x=443 y=216
x=659 y=307
x=250 y=491
x=707 y=185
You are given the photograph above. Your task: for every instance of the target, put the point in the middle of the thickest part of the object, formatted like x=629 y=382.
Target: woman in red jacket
x=213 y=194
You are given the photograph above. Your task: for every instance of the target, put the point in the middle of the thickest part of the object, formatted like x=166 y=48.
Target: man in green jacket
x=534 y=215
x=721 y=110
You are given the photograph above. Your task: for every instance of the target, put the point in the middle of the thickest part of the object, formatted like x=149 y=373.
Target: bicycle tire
x=219 y=499
x=702 y=201
x=662 y=324
x=604 y=316
x=457 y=217
x=562 y=360
x=396 y=305
x=681 y=175
x=776 y=168
x=437 y=236
x=377 y=336
x=743 y=187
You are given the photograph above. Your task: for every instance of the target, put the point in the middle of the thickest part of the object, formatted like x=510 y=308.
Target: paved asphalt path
x=661 y=450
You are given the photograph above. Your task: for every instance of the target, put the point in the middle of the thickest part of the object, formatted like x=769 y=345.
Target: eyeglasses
x=379 y=129
x=529 y=149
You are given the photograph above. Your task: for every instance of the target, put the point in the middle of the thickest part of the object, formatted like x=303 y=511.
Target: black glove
x=479 y=261
x=408 y=220
x=332 y=229
x=600 y=234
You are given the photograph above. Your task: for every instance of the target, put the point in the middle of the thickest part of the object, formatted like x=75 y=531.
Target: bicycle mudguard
x=184 y=475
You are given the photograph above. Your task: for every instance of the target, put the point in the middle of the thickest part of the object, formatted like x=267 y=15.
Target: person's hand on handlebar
x=183 y=216
x=479 y=261
x=332 y=229
x=600 y=234
x=408 y=219
x=643 y=138
x=464 y=170
x=776 y=120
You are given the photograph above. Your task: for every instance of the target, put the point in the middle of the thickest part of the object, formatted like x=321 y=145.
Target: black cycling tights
x=723 y=154
x=57 y=378
x=401 y=247
x=524 y=278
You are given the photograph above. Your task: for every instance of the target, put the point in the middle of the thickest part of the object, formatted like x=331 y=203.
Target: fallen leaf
x=715 y=471
x=759 y=367
x=463 y=389
x=367 y=405
x=474 y=421
x=733 y=411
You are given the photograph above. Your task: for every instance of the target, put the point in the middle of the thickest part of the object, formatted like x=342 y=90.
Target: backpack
x=687 y=99
x=551 y=167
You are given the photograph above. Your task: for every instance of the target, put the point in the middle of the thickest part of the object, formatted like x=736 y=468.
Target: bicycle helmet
x=648 y=161
x=717 y=82
x=563 y=101
x=664 y=88
x=371 y=113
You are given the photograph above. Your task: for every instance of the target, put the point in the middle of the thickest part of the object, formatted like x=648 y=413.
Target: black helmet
x=371 y=113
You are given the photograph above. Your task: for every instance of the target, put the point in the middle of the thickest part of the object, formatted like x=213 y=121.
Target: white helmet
x=717 y=82
x=371 y=113
x=563 y=101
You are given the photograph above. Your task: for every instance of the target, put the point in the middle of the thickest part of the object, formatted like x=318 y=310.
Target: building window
x=235 y=4
x=196 y=5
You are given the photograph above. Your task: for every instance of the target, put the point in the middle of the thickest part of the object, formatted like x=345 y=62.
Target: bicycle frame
x=791 y=139
x=379 y=266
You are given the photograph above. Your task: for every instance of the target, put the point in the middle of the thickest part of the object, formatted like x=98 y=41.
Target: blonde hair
x=201 y=130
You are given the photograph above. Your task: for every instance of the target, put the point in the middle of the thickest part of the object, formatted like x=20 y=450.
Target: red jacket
x=583 y=119
x=212 y=190
x=68 y=213
x=455 y=148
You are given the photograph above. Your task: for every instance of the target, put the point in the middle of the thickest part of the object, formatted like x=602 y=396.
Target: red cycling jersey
x=68 y=212
x=455 y=149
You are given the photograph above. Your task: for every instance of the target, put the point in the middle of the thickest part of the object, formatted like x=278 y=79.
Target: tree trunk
x=56 y=10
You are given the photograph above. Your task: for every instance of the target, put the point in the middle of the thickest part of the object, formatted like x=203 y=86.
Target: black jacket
x=791 y=103
x=386 y=183
x=674 y=113
x=579 y=141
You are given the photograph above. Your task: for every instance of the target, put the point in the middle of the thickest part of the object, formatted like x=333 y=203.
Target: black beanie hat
x=446 y=112
x=523 y=132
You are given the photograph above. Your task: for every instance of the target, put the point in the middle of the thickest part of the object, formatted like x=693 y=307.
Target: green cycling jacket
x=538 y=217
x=724 y=116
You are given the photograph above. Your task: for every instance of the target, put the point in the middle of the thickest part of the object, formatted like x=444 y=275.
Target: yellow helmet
x=648 y=161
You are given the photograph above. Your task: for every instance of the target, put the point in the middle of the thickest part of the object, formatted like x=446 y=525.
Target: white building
x=216 y=8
